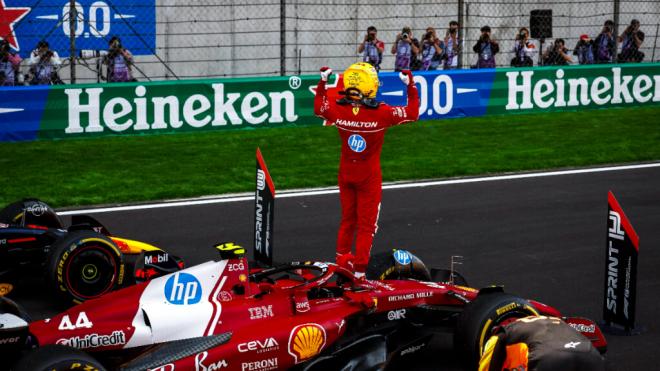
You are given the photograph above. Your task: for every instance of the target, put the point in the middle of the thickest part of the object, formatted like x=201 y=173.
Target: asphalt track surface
x=540 y=237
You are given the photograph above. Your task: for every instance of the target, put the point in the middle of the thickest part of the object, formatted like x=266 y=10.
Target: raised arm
x=410 y=112
x=477 y=46
x=321 y=102
x=495 y=46
x=396 y=43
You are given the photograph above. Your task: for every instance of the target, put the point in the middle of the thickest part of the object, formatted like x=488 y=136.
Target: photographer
x=557 y=54
x=9 y=64
x=631 y=40
x=119 y=62
x=584 y=49
x=43 y=65
x=406 y=49
x=431 y=50
x=453 y=46
x=372 y=48
x=486 y=48
x=605 y=44
x=523 y=50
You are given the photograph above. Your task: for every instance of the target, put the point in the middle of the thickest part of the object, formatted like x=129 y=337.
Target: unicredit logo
x=94 y=340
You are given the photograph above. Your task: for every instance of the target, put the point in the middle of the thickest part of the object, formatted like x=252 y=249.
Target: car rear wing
x=264 y=211
x=620 y=286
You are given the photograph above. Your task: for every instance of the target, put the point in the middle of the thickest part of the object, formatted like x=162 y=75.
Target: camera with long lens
x=371 y=37
x=405 y=36
x=428 y=35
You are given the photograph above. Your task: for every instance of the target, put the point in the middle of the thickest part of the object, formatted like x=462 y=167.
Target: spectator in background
x=405 y=48
x=119 y=62
x=372 y=48
x=486 y=48
x=431 y=50
x=584 y=49
x=43 y=65
x=557 y=54
x=523 y=50
x=631 y=40
x=605 y=45
x=453 y=46
x=9 y=64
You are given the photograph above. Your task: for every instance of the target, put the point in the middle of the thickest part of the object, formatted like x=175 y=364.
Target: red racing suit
x=362 y=130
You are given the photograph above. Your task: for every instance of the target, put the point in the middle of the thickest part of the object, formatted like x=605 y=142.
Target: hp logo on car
x=183 y=289
x=356 y=143
x=402 y=257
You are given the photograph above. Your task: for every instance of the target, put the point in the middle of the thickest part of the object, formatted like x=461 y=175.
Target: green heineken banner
x=576 y=88
x=29 y=113
x=177 y=106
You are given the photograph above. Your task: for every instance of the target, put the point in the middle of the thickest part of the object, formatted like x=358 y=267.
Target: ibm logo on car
x=402 y=257
x=183 y=289
x=356 y=143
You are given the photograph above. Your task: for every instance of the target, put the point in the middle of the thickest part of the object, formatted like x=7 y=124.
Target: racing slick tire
x=57 y=358
x=84 y=265
x=480 y=317
x=383 y=266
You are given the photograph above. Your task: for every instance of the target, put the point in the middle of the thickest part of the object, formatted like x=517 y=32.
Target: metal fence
x=174 y=39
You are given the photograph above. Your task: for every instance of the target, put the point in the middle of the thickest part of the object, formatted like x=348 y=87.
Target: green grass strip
x=141 y=168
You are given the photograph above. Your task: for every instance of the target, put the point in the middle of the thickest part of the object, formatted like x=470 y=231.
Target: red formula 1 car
x=309 y=316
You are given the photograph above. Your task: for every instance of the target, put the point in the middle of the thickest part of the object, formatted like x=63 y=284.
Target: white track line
x=332 y=190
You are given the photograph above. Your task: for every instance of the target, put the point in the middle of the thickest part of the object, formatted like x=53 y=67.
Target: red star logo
x=8 y=18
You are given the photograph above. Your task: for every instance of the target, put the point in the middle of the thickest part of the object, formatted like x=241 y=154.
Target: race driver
x=361 y=122
x=540 y=343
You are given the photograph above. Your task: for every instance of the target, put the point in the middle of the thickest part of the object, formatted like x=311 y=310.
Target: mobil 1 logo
x=156 y=258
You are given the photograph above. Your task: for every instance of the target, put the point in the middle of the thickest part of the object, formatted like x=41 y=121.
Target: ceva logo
x=357 y=143
x=183 y=289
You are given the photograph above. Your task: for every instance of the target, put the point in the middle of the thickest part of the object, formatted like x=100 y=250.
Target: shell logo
x=306 y=341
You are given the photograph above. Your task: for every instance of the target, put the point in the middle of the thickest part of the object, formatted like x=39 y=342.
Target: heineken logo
x=524 y=92
x=90 y=111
